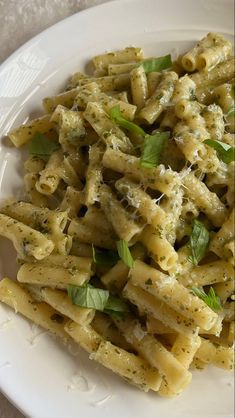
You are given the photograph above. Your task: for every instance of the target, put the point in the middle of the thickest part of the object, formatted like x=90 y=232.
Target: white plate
x=38 y=374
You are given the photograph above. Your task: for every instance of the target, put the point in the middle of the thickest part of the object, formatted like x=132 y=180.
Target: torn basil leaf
x=153 y=147
x=88 y=296
x=211 y=299
x=225 y=152
x=156 y=64
x=124 y=253
x=116 y=116
x=198 y=242
x=104 y=257
x=42 y=147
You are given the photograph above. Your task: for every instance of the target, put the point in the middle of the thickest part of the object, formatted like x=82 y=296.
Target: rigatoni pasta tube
x=173 y=293
x=110 y=133
x=32 y=194
x=147 y=303
x=72 y=201
x=25 y=133
x=221 y=357
x=27 y=241
x=214 y=119
x=89 y=234
x=121 y=220
x=109 y=83
x=36 y=217
x=40 y=313
x=141 y=200
x=160 y=98
x=51 y=276
x=50 y=177
x=159 y=247
x=117 y=276
x=224 y=235
x=139 y=86
x=184 y=89
x=104 y=325
x=155 y=326
x=70 y=125
x=91 y=93
x=65 y=99
x=208 y=274
x=94 y=216
x=222 y=73
x=129 y=366
x=205 y=200
x=93 y=175
x=70 y=262
x=128 y=54
x=159 y=178
x=61 y=302
x=84 y=335
x=185 y=347
x=154 y=352
x=190 y=59
x=121 y=68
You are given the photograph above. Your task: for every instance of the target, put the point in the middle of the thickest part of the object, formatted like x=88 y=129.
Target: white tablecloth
x=20 y=20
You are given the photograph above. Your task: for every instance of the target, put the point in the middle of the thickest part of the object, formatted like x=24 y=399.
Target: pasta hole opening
x=189 y=64
x=63 y=222
x=169 y=262
x=82 y=211
x=44 y=188
x=202 y=63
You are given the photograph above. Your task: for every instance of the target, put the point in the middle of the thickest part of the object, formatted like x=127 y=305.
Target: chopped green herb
x=88 y=296
x=124 y=253
x=42 y=147
x=156 y=64
x=198 y=242
x=211 y=299
x=153 y=147
x=116 y=116
x=104 y=257
x=116 y=307
x=225 y=152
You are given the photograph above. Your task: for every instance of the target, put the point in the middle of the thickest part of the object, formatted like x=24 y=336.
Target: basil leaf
x=115 y=315
x=154 y=144
x=116 y=304
x=211 y=299
x=88 y=296
x=157 y=64
x=104 y=257
x=153 y=147
x=42 y=147
x=116 y=307
x=225 y=152
x=117 y=118
x=198 y=242
x=124 y=253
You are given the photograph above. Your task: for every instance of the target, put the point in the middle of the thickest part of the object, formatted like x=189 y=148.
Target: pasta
x=125 y=235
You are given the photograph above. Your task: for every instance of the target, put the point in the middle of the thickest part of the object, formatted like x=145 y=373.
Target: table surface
x=34 y=16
